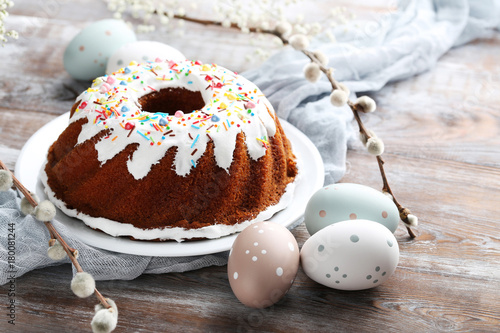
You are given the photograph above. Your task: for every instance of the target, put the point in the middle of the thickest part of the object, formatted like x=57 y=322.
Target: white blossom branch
x=4 y=5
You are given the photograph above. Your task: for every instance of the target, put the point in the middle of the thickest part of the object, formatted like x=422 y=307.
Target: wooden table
x=442 y=135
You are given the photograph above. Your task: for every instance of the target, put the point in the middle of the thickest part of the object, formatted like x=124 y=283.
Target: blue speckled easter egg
x=344 y=201
x=87 y=54
x=141 y=52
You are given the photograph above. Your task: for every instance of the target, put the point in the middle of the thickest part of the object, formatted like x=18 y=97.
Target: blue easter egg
x=344 y=201
x=86 y=56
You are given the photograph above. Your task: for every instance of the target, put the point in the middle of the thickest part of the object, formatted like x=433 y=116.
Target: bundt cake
x=171 y=151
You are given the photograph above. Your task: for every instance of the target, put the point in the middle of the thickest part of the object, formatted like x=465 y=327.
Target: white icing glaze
x=116 y=229
x=226 y=95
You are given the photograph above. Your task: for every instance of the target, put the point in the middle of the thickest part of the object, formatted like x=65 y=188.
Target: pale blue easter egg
x=86 y=56
x=351 y=255
x=142 y=52
x=345 y=201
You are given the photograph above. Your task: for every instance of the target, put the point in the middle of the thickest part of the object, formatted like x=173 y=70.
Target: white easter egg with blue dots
x=142 y=52
x=86 y=56
x=351 y=255
x=345 y=201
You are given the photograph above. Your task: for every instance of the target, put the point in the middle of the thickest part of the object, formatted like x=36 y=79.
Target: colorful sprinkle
x=145 y=137
x=104 y=88
x=163 y=122
x=249 y=105
x=195 y=139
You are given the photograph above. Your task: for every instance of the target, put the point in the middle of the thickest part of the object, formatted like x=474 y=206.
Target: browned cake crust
x=207 y=195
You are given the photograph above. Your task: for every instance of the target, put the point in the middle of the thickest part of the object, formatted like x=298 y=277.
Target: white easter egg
x=142 y=52
x=262 y=264
x=344 y=201
x=87 y=54
x=351 y=255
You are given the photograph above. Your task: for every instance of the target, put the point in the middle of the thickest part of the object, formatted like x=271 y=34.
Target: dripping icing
x=112 y=103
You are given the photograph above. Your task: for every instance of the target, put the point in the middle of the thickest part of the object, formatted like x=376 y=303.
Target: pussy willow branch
x=329 y=74
x=386 y=188
x=72 y=253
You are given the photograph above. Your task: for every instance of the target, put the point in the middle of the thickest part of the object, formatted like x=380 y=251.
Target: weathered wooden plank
x=77 y=11
x=417 y=301
x=18 y=126
x=37 y=81
x=9 y=156
x=40 y=94
x=448 y=113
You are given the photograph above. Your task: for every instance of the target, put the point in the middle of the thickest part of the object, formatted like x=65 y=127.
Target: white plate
x=33 y=156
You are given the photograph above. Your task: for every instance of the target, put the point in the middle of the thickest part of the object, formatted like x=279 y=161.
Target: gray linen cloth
x=398 y=46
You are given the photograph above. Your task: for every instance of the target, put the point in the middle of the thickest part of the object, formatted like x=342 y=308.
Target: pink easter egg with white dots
x=263 y=263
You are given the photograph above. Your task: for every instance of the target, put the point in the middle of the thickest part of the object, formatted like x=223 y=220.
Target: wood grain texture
x=442 y=136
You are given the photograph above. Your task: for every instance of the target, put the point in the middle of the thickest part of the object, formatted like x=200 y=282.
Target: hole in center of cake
x=170 y=100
